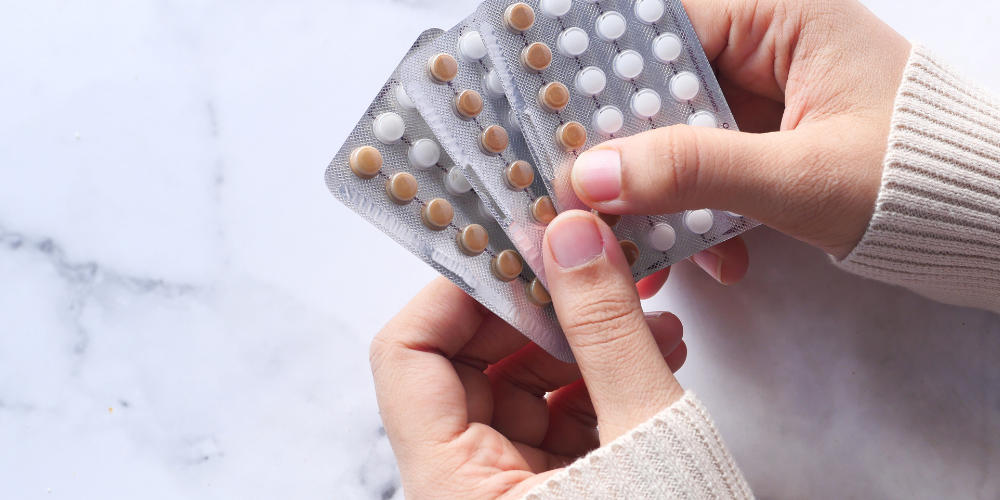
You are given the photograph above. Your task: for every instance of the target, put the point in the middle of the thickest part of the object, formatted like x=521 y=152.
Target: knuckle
x=676 y=158
x=608 y=318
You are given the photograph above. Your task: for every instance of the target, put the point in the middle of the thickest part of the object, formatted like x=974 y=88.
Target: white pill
x=555 y=8
x=667 y=48
x=628 y=65
x=471 y=46
x=404 y=100
x=684 y=86
x=389 y=128
x=608 y=120
x=699 y=221
x=424 y=154
x=573 y=42
x=590 y=81
x=492 y=84
x=455 y=182
x=484 y=212
x=662 y=237
x=610 y=26
x=512 y=120
x=649 y=11
x=703 y=119
x=646 y=103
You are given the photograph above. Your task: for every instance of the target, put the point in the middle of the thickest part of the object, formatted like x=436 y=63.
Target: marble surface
x=185 y=310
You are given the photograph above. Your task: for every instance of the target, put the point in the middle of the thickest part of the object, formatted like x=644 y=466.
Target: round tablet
x=631 y=251
x=493 y=140
x=646 y=103
x=468 y=104
x=471 y=46
x=703 y=119
x=512 y=120
x=684 y=86
x=571 y=136
x=455 y=181
x=401 y=188
x=553 y=97
x=649 y=11
x=610 y=26
x=442 y=68
x=573 y=42
x=483 y=210
x=507 y=265
x=473 y=240
x=699 y=221
x=404 y=100
x=543 y=210
x=628 y=65
x=389 y=128
x=519 y=175
x=590 y=81
x=492 y=84
x=667 y=48
x=537 y=294
x=424 y=154
x=555 y=8
x=519 y=17
x=608 y=120
x=437 y=214
x=365 y=162
x=536 y=57
x=662 y=237
x=610 y=220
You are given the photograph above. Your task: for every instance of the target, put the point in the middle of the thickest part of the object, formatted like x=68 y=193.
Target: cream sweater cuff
x=676 y=454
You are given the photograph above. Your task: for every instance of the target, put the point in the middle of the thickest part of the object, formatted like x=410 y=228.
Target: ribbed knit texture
x=677 y=454
x=936 y=227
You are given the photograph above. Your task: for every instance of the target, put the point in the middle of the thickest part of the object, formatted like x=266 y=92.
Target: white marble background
x=185 y=310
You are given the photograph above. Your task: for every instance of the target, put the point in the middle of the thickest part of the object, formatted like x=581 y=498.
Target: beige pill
x=537 y=294
x=519 y=175
x=493 y=140
x=442 y=68
x=365 y=162
x=553 y=97
x=468 y=104
x=472 y=240
x=631 y=251
x=519 y=17
x=571 y=136
x=536 y=57
x=437 y=214
x=543 y=210
x=610 y=220
x=507 y=265
x=401 y=188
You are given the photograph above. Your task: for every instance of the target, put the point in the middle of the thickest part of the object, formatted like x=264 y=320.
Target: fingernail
x=655 y=315
x=598 y=174
x=575 y=241
x=710 y=262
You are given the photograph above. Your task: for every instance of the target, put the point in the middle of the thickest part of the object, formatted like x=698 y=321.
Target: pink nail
x=575 y=241
x=598 y=174
x=710 y=262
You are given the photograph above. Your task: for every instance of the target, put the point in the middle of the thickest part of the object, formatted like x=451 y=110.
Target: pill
x=553 y=97
x=493 y=140
x=684 y=86
x=543 y=210
x=389 y=128
x=401 y=188
x=471 y=46
x=628 y=65
x=519 y=17
x=667 y=48
x=631 y=251
x=519 y=175
x=512 y=120
x=537 y=294
x=492 y=84
x=442 y=68
x=649 y=11
x=437 y=214
x=590 y=81
x=610 y=26
x=609 y=219
x=573 y=42
x=608 y=120
x=662 y=237
x=571 y=136
x=703 y=119
x=555 y=8
x=468 y=104
x=483 y=210
x=507 y=265
x=455 y=181
x=424 y=154
x=646 y=103
x=472 y=240
x=536 y=57
x=365 y=162
x=699 y=221
x=404 y=100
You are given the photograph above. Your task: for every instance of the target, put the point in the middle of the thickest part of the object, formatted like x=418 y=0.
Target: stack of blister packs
x=464 y=156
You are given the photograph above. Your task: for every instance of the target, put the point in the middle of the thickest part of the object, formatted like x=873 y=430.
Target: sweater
x=935 y=230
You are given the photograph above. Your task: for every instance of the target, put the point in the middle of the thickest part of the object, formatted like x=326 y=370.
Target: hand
x=812 y=85
x=473 y=411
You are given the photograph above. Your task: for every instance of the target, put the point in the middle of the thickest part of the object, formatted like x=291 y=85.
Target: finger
x=651 y=285
x=727 y=262
x=495 y=340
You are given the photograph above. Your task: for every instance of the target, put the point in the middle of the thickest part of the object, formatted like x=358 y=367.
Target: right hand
x=811 y=84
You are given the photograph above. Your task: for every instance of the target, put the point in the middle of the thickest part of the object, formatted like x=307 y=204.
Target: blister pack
x=627 y=66
x=392 y=172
